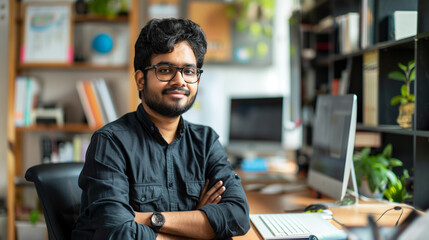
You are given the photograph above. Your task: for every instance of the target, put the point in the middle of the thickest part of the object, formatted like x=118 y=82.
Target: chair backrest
x=59 y=194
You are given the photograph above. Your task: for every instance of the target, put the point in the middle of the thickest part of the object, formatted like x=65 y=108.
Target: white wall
x=4 y=94
x=4 y=10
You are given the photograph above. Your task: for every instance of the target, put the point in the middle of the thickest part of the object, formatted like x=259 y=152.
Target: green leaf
x=404 y=101
x=383 y=161
x=411 y=64
x=393 y=162
x=392 y=177
x=412 y=75
x=411 y=98
x=404 y=90
x=403 y=67
x=387 y=151
x=395 y=100
x=365 y=152
x=395 y=75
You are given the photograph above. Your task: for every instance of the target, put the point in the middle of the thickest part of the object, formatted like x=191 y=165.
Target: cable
x=394 y=208
x=396 y=224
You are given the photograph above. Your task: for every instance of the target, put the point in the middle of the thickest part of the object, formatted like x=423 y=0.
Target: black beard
x=164 y=109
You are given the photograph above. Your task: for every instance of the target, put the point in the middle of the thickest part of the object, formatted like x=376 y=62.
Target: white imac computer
x=255 y=125
x=334 y=129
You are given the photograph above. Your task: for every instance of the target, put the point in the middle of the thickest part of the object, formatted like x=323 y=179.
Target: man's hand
x=211 y=196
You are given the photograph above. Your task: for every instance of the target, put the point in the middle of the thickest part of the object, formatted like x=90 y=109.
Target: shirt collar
x=152 y=128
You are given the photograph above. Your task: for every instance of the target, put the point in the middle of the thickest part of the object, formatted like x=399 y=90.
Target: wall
x=3 y=92
x=3 y=108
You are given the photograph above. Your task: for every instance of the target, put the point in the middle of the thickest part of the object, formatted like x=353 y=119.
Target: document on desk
x=295 y=226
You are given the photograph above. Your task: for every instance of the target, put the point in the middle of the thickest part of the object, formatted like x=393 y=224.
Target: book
x=402 y=24
x=20 y=95
x=107 y=102
x=370 y=88
x=335 y=86
x=368 y=26
x=93 y=103
x=344 y=84
x=348 y=32
x=31 y=99
x=85 y=104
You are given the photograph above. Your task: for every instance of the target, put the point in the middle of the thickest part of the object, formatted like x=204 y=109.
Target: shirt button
x=170 y=185
x=143 y=199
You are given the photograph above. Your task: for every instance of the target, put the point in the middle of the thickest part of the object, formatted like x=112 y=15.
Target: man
x=151 y=174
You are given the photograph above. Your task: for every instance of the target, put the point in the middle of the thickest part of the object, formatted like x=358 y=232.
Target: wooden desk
x=355 y=215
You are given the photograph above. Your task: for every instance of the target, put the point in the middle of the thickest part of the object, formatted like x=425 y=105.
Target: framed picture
x=47 y=34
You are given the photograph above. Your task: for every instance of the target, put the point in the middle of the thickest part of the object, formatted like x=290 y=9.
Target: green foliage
x=407 y=75
x=395 y=192
x=376 y=168
x=108 y=8
x=34 y=216
x=251 y=14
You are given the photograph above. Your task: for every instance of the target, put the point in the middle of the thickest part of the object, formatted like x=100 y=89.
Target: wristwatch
x=157 y=220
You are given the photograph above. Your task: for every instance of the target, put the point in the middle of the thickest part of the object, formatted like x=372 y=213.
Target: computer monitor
x=334 y=131
x=255 y=125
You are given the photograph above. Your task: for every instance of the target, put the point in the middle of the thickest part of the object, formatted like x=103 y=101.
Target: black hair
x=160 y=35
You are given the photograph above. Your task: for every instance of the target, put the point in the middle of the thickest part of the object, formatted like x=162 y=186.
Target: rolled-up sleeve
x=105 y=198
x=230 y=217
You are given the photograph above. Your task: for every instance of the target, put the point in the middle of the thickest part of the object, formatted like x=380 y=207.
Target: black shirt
x=130 y=167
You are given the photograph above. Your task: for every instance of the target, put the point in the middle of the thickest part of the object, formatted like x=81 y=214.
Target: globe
x=102 y=43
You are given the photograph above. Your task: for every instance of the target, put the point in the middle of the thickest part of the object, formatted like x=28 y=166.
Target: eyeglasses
x=166 y=73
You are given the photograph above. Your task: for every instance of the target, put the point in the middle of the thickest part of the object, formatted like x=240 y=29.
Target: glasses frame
x=199 y=72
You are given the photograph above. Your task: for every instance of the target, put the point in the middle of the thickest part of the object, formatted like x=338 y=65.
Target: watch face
x=157 y=219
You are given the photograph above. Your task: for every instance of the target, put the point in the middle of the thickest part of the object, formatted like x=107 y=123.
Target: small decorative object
x=406 y=99
x=103 y=43
x=376 y=170
x=81 y=7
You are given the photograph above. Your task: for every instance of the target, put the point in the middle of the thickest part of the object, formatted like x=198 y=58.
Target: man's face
x=175 y=97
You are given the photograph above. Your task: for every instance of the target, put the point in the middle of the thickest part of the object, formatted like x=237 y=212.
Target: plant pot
x=27 y=230
x=405 y=117
x=366 y=191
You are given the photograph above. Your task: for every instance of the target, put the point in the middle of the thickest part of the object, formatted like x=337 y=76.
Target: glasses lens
x=167 y=73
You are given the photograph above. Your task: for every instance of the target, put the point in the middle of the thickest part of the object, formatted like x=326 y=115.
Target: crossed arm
x=187 y=224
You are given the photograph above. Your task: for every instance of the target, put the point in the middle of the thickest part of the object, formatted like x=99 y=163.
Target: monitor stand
x=351 y=197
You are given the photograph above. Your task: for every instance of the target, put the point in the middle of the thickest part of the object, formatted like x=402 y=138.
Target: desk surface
x=355 y=215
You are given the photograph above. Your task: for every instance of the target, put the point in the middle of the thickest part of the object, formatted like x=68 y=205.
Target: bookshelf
x=320 y=69
x=59 y=86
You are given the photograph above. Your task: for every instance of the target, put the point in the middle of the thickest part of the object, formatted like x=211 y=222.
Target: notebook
x=295 y=226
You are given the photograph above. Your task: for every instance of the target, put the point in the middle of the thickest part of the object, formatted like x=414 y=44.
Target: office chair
x=59 y=194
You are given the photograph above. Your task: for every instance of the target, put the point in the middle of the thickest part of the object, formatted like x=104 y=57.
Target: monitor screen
x=333 y=144
x=256 y=124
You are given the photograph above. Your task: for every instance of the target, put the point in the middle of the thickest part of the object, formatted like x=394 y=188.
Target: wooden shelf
x=69 y=127
x=73 y=66
x=92 y=18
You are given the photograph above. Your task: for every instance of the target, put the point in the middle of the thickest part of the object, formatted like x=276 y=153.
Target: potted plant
x=374 y=172
x=396 y=192
x=406 y=99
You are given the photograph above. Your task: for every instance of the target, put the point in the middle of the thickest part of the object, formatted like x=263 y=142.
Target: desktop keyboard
x=284 y=225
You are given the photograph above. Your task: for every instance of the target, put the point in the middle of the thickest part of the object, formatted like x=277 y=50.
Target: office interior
x=299 y=59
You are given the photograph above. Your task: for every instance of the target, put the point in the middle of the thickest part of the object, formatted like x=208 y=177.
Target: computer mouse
x=315 y=207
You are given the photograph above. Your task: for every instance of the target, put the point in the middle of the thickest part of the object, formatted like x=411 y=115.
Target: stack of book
x=27 y=90
x=96 y=102
x=348 y=32
x=64 y=150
